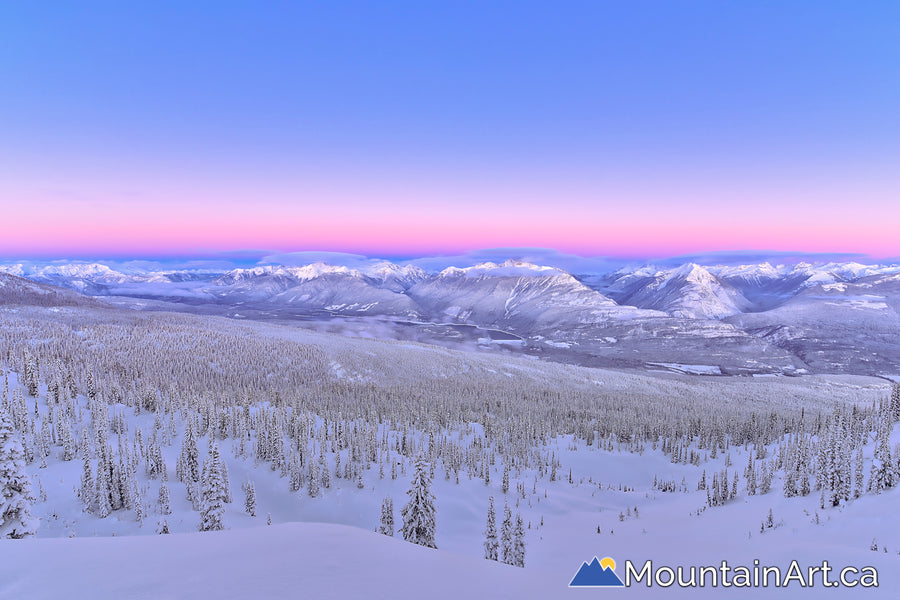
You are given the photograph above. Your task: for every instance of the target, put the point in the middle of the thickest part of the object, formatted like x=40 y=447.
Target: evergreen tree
x=312 y=486
x=491 y=545
x=104 y=507
x=387 y=517
x=212 y=492
x=323 y=470
x=86 y=491
x=294 y=473
x=858 y=473
x=883 y=475
x=419 y=512
x=895 y=403
x=765 y=478
x=751 y=477
x=228 y=498
x=250 y=499
x=164 y=508
x=16 y=498
x=138 y=504
x=790 y=483
x=506 y=536
x=188 y=468
x=518 y=545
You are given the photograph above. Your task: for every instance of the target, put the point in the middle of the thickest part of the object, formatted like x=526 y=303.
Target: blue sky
x=301 y=123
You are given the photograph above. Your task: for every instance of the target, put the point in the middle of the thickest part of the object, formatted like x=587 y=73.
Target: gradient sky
x=408 y=128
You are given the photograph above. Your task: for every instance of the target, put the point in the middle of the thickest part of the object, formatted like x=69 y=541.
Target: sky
x=153 y=129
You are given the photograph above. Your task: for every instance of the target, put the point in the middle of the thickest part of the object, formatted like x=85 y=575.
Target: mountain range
x=758 y=318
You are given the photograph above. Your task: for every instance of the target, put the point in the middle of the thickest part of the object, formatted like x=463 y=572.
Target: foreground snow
x=317 y=560
x=297 y=560
x=604 y=497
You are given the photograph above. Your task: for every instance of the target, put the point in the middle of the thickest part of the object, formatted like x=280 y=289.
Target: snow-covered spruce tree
x=883 y=475
x=518 y=546
x=834 y=460
x=250 y=499
x=312 y=485
x=138 y=504
x=858 y=474
x=419 y=512
x=790 y=483
x=323 y=470
x=491 y=545
x=164 y=506
x=750 y=475
x=86 y=491
x=765 y=478
x=506 y=536
x=16 y=498
x=188 y=466
x=895 y=403
x=101 y=496
x=228 y=498
x=212 y=492
x=387 y=517
x=295 y=481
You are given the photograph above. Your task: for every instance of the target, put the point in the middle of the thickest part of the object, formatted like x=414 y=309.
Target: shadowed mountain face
x=20 y=291
x=689 y=291
x=838 y=327
x=757 y=318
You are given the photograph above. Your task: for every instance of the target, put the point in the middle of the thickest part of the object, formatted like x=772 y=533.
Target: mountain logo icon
x=597 y=573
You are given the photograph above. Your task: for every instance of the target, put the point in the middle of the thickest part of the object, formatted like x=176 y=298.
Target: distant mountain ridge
x=15 y=290
x=753 y=318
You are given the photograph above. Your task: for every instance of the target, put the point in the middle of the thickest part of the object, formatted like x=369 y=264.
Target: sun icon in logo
x=608 y=563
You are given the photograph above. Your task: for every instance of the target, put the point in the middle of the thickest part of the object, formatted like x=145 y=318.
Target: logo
x=602 y=573
x=597 y=573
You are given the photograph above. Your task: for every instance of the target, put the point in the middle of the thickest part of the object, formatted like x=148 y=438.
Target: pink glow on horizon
x=394 y=221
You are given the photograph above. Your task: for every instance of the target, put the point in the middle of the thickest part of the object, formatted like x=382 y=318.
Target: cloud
x=743 y=257
x=300 y=259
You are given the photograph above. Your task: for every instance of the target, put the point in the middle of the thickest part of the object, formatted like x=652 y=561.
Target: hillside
x=16 y=290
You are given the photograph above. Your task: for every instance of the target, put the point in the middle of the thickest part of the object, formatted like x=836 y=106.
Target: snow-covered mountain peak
x=689 y=291
x=298 y=274
x=693 y=273
x=386 y=271
x=383 y=274
x=751 y=272
x=79 y=270
x=643 y=271
x=319 y=269
x=508 y=268
x=17 y=269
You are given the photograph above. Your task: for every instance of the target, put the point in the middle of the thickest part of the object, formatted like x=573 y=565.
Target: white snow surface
x=324 y=547
x=295 y=560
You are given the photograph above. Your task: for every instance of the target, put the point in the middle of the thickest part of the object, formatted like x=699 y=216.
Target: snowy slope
x=252 y=559
x=563 y=513
x=838 y=326
x=310 y=560
x=18 y=290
